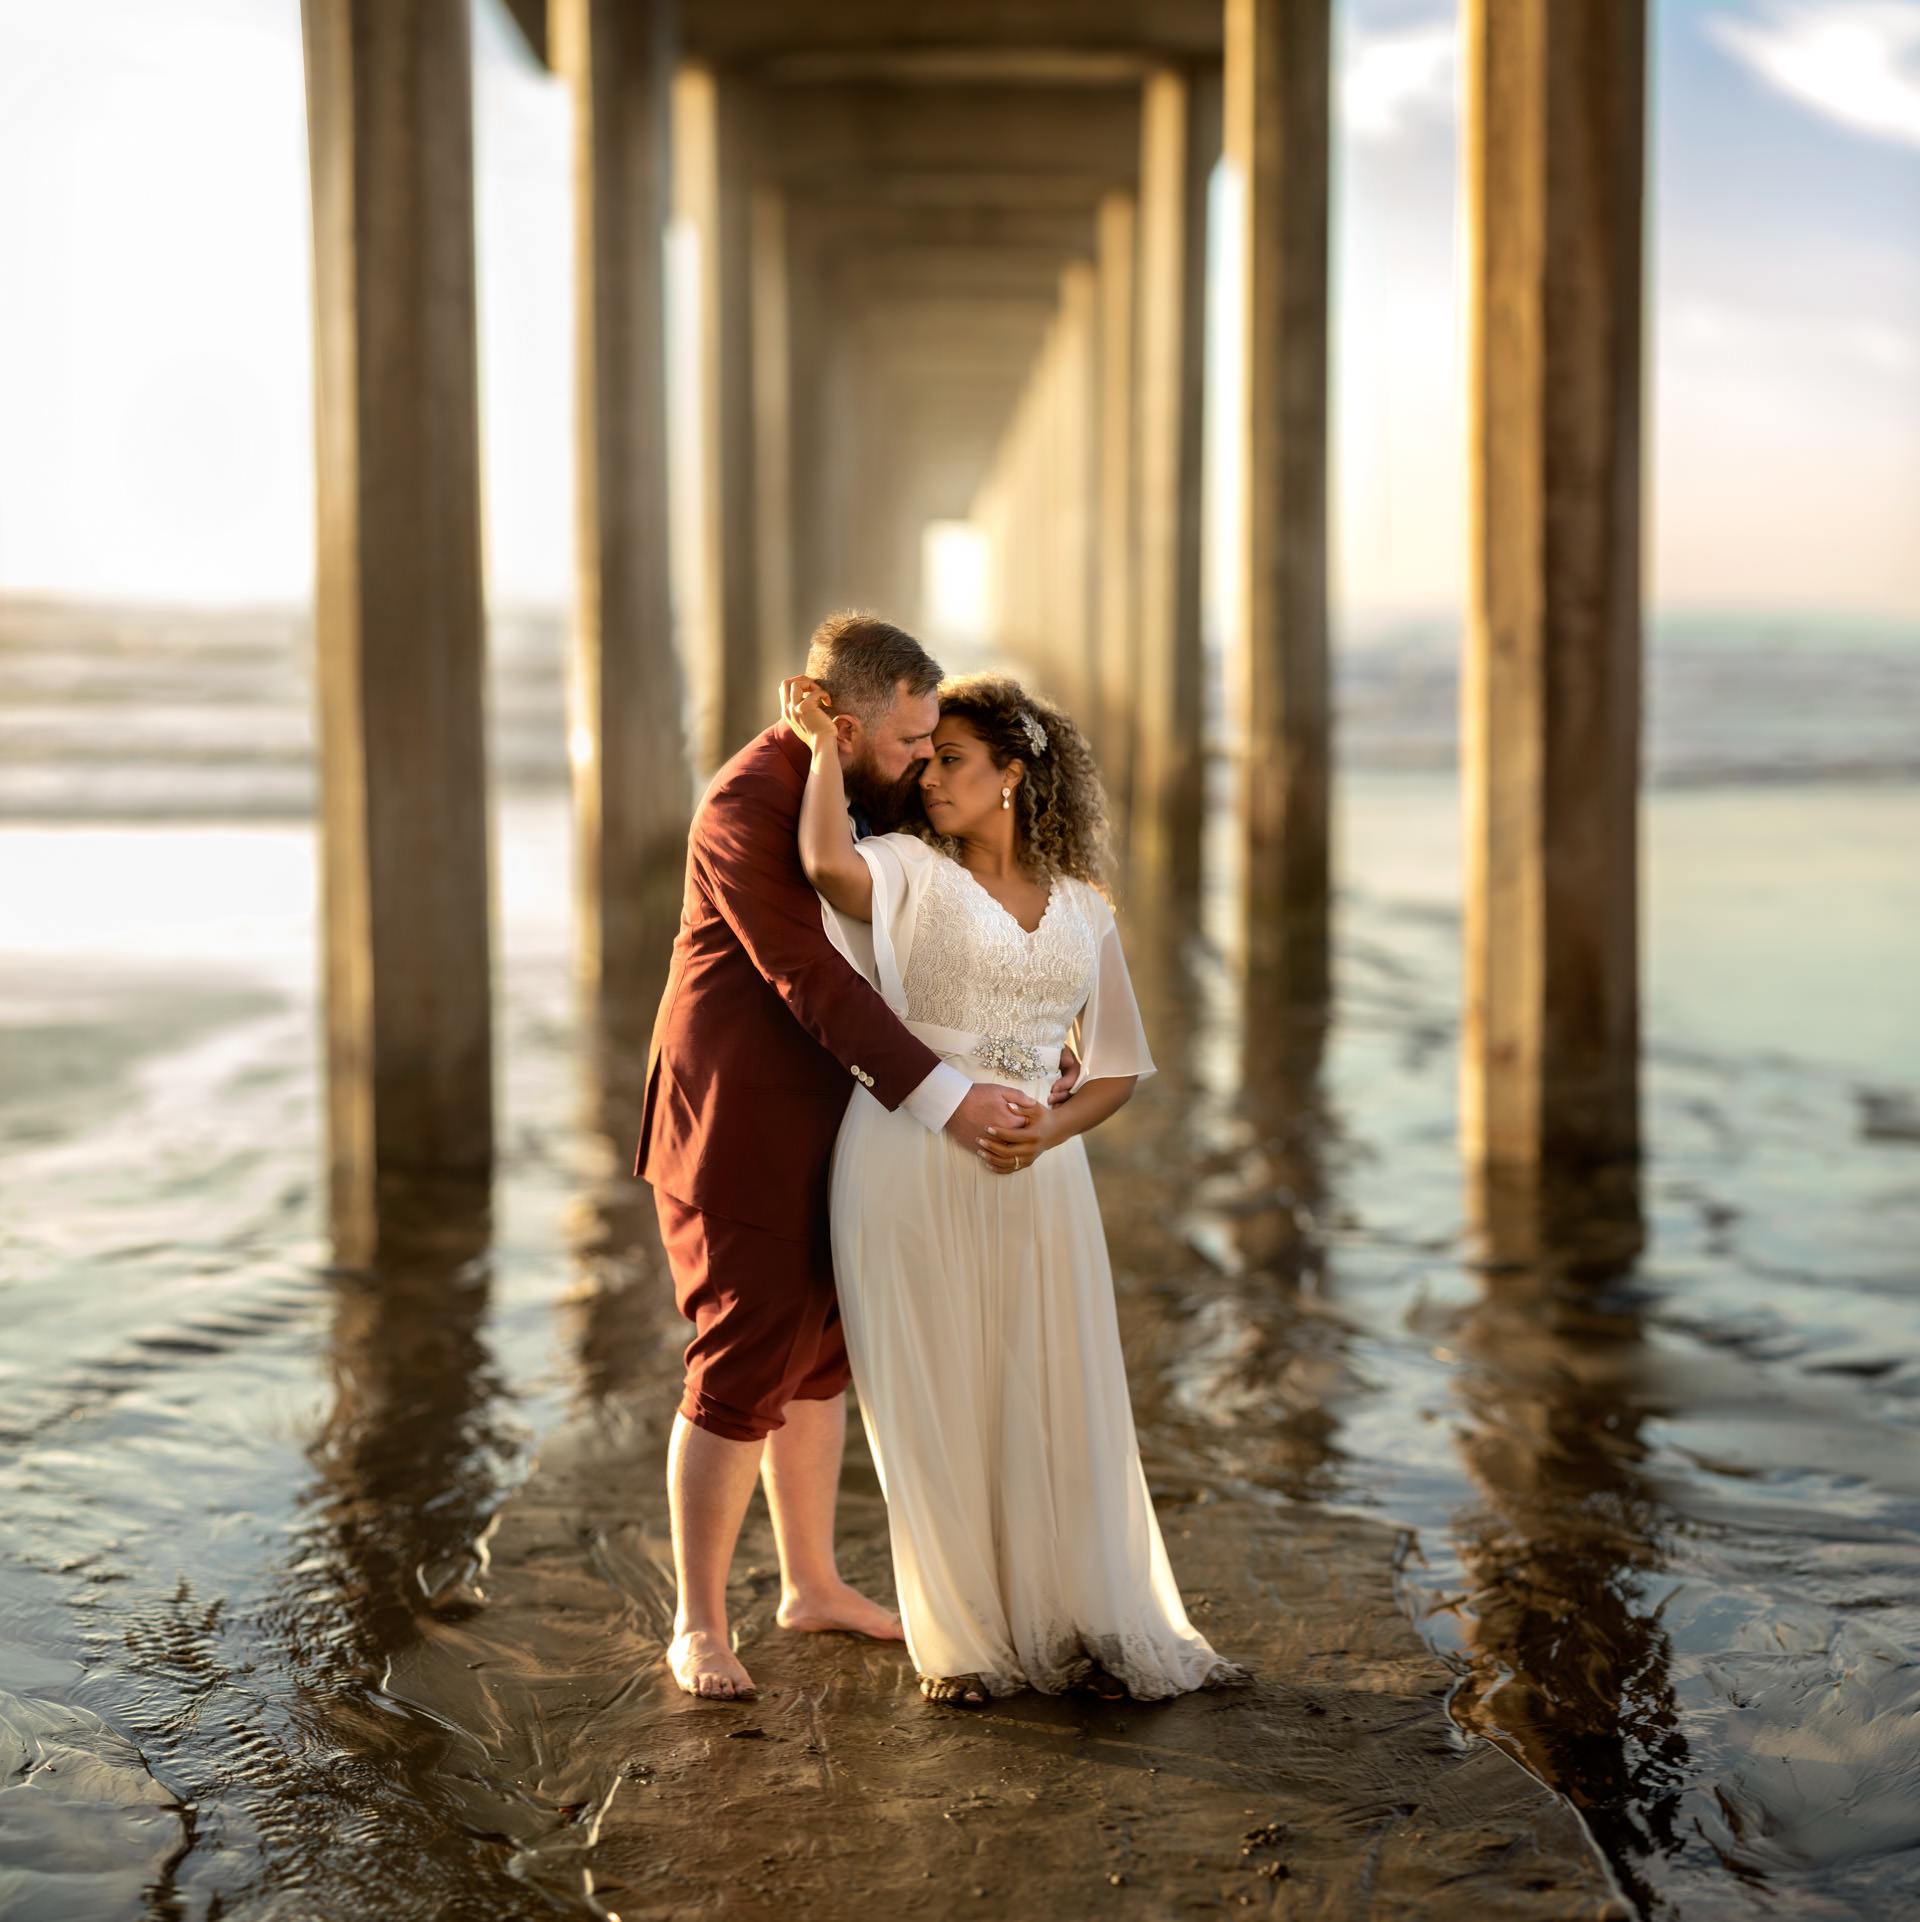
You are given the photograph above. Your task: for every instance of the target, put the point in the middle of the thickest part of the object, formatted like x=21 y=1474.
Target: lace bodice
x=973 y=967
x=954 y=965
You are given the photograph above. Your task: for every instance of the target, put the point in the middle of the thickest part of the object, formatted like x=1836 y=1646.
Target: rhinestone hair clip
x=1036 y=734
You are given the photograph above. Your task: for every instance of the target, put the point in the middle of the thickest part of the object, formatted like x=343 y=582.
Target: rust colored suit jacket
x=763 y=1028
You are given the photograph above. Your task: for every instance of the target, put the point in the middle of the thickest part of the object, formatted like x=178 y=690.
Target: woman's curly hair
x=1060 y=808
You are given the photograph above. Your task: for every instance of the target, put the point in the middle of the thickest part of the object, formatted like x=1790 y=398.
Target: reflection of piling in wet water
x=404 y=1453
x=1234 y=1129
x=1567 y=1666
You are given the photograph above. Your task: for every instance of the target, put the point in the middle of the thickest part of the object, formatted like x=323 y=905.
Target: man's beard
x=885 y=804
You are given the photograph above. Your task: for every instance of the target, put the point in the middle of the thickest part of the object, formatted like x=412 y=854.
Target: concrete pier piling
x=953 y=266
x=712 y=194
x=1277 y=125
x=1179 y=143
x=1550 y=730
x=1116 y=573
x=399 y=625
x=631 y=780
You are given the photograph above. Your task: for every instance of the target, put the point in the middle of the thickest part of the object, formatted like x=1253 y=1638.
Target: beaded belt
x=1002 y=1053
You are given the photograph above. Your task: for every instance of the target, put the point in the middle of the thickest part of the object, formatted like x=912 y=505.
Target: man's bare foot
x=814 y=1610
x=959 y=1691
x=704 y=1665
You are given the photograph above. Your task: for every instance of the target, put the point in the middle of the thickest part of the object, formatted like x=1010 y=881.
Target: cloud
x=1391 y=82
x=1856 y=61
x=1718 y=337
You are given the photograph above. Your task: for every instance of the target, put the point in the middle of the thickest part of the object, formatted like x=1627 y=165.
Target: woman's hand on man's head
x=807 y=708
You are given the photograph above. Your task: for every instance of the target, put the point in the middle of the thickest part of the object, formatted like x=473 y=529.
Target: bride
x=975 y=1291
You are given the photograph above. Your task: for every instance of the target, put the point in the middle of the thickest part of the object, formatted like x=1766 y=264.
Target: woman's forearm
x=827 y=851
x=1093 y=1102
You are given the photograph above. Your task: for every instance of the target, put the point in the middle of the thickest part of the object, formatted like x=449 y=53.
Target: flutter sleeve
x=1108 y=1036
x=901 y=866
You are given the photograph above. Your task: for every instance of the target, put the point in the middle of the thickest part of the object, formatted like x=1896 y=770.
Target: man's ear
x=846 y=730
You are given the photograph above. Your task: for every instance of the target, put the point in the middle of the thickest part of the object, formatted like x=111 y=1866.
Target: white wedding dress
x=979 y=1308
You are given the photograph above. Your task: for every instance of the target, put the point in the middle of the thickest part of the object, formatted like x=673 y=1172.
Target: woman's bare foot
x=1102 y=1686
x=836 y=1606
x=704 y=1665
x=958 y=1691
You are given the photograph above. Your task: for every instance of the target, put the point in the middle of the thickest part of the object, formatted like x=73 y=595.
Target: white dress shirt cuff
x=933 y=1102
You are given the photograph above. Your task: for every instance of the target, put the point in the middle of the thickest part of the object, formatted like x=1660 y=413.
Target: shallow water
x=1666 y=1500
x=1667 y=1506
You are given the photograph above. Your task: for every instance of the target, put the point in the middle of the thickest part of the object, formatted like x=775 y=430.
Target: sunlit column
x=1276 y=136
x=811 y=319
x=1115 y=663
x=398 y=616
x=782 y=641
x=1074 y=483
x=1039 y=503
x=630 y=775
x=712 y=194
x=1551 y=689
x=1180 y=139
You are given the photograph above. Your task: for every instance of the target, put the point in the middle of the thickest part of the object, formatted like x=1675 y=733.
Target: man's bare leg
x=801 y=1472
x=709 y=1483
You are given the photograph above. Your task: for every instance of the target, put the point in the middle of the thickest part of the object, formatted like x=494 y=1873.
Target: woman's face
x=960 y=787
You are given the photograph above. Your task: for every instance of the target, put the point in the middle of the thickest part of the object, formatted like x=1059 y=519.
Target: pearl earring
x=1006 y=797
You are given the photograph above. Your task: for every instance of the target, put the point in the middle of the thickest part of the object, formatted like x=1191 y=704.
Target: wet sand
x=270 y=1638
x=1336 y=1785
x=1648 y=1529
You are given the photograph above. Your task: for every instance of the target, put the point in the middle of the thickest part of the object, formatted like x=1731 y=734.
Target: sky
x=1784 y=306
x=155 y=335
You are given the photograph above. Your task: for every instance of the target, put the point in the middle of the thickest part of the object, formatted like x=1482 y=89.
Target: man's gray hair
x=862 y=660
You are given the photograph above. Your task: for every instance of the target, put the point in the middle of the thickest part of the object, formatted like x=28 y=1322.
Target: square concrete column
x=631 y=781
x=399 y=624
x=1179 y=142
x=782 y=638
x=1551 y=687
x=712 y=192
x=1040 y=503
x=1116 y=663
x=1071 y=460
x=1277 y=79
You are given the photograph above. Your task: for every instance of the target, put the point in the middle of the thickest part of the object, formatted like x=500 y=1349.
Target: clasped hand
x=1018 y=1131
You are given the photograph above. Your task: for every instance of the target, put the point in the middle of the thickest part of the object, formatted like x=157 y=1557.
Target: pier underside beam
x=906 y=246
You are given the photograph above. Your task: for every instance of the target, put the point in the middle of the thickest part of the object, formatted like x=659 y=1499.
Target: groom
x=763 y=1029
